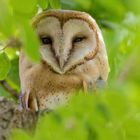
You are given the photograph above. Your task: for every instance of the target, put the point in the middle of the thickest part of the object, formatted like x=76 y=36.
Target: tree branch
x=11 y=117
x=13 y=43
x=8 y=88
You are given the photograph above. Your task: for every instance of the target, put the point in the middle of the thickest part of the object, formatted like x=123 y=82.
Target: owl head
x=69 y=39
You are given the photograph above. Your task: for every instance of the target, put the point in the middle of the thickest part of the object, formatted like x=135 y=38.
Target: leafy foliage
x=43 y=4
x=112 y=113
x=4 y=65
x=31 y=47
x=111 y=116
x=55 y=4
x=19 y=6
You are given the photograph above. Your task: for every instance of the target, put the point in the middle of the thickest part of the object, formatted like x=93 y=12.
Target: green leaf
x=6 y=19
x=19 y=134
x=133 y=5
x=13 y=76
x=26 y=7
x=43 y=4
x=31 y=42
x=84 y=3
x=4 y=92
x=56 y=4
x=4 y=66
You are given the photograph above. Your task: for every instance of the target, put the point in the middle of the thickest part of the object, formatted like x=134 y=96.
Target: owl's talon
x=89 y=87
x=85 y=87
x=33 y=104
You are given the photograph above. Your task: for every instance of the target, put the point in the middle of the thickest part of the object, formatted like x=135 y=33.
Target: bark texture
x=11 y=116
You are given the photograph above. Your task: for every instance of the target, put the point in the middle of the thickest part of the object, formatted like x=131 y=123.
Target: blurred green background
x=112 y=114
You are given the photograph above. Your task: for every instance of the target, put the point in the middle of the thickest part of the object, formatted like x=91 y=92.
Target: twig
x=7 y=87
x=13 y=43
x=2 y=49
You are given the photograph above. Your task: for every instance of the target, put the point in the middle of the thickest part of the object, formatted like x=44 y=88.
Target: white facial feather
x=74 y=28
x=67 y=53
x=50 y=26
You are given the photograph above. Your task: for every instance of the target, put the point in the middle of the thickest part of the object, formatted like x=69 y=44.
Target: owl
x=73 y=57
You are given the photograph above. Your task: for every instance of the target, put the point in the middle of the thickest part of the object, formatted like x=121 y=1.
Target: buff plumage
x=73 y=57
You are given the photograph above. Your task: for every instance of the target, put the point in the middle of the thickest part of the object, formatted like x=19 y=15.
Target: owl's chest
x=53 y=90
x=53 y=100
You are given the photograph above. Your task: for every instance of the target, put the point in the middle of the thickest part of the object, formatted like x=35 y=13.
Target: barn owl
x=73 y=56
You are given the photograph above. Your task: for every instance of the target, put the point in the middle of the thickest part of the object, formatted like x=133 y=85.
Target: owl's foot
x=85 y=87
x=88 y=86
x=92 y=86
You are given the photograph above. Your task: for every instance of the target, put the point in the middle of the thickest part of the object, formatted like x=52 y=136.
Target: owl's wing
x=102 y=57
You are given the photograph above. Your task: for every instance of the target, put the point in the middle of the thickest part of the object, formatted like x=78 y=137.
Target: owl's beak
x=61 y=63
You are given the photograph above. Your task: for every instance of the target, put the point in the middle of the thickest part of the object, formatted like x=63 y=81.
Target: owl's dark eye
x=78 y=39
x=46 y=40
